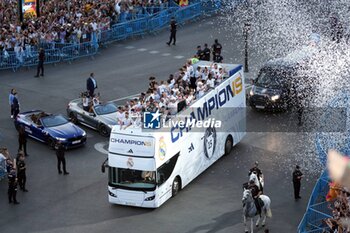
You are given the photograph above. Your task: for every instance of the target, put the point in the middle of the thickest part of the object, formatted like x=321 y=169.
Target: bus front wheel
x=176 y=186
x=228 y=145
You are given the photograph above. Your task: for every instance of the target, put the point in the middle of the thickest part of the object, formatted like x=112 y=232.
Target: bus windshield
x=132 y=179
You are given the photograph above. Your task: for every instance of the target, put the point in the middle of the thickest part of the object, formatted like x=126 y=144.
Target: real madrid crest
x=130 y=163
x=209 y=142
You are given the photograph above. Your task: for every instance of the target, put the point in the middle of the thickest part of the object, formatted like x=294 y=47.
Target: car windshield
x=105 y=109
x=272 y=78
x=52 y=121
x=133 y=179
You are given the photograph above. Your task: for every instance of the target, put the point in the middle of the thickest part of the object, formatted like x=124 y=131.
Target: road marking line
x=179 y=57
x=126 y=97
x=142 y=50
x=153 y=52
x=100 y=147
x=166 y=54
x=129 y=47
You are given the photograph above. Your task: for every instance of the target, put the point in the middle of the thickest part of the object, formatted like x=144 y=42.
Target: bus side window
x=165 y=171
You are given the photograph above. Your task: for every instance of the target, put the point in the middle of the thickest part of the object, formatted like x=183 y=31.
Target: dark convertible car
x=50 y=128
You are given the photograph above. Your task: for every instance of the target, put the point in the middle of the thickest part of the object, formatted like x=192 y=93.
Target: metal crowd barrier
x=72 y=52
x=317 y=208
x=144 y=23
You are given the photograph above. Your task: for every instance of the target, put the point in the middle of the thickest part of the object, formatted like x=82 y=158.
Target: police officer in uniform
x=200 y=53
x=41 y=60
x=216 y=49
x=173 y=28
x=60 y=158
x=21 y=172
x=258 y=173
x=297 y=176
x=217 y=58
x=256 y=169
x=255 y=194
x=206 y=52
x=12 y=191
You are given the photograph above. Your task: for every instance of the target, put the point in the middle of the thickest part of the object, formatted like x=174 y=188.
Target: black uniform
x=41 y=60
x=217 y=58
x=200 y=54
x=21 y=174
x=255 y=191
x=296 y=182
x=216 y=48
x=12 y=191
x=173 y=28
x=15 y=107
x=61 y=159
x=206 y=52
x=22 y=141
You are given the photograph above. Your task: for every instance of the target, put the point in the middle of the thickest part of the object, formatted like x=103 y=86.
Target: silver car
x=102 y=118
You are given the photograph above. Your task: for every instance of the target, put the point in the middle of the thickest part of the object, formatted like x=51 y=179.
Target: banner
x=29 y=9
x=183 y=2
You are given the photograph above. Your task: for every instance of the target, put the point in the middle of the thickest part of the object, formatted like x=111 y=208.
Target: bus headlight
x=112 y=194
x=275 y=97
x=151 y=198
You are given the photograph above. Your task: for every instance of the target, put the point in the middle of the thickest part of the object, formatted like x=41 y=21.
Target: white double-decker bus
x=146 y=167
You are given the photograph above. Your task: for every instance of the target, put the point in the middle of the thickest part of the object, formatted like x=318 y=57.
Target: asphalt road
x=211 y=203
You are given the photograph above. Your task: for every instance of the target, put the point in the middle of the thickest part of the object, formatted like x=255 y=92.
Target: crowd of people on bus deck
x=178 y=91
x=66 y=21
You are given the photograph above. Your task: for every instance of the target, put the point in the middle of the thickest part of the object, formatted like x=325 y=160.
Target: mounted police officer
x=256 y=169
x=255 y=194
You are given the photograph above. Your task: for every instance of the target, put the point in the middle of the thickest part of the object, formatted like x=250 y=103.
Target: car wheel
x=175 y=188
x=51 y=142
x=228 y=145
x=73 y=118
x=102 y=129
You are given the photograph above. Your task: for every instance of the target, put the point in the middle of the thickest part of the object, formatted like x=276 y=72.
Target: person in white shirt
x=189 y=69
x=205 y=73
x=172 y=106
x=220 y=75
x=126 y=122
x=185 y=77
x=86 y=101
x=198 y=72
x=200 y=89
x=210 y=81
x=96 y=100
x=190 y=98
x=120 y=115
x=215 y=70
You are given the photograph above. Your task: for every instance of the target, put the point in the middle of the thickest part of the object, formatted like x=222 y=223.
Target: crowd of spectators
x=66 y=21
x=340 y=209
x=171 y=96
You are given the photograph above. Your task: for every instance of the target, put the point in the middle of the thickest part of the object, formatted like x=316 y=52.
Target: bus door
x=165 y=179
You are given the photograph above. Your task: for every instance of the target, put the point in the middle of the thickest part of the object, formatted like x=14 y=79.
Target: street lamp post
x=246 y=30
